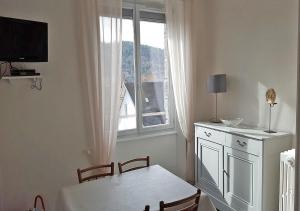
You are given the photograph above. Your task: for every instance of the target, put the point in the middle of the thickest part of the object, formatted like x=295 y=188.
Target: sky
x=152 y=34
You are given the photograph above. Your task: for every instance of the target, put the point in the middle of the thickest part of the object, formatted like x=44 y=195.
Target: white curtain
x=182 y=56
x=100 y=22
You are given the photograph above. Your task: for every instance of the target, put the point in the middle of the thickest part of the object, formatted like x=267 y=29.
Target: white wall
x=43 y=134
x=162 y=150
x=255 y=44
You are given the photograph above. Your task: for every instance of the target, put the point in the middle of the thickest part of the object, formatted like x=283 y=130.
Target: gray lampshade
x=216 y=83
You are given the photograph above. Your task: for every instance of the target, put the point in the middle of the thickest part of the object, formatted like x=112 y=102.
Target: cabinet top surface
x=242 y=130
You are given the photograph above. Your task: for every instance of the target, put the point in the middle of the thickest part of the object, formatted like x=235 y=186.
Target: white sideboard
x=239 y=166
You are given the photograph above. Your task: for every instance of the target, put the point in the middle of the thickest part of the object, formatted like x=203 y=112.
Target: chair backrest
x=147 y=208
x=82 y=178
x=187 y=204
x=146 y=159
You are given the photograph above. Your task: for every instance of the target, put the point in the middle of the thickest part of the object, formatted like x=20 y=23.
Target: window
x=146 y=100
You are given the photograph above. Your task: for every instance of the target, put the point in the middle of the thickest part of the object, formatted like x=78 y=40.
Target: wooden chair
x=147 y=159
x=80 y=172
x=147 y=208
x=186 y=204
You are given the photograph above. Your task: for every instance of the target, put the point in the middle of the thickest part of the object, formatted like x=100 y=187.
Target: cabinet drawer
x=244 y=144
x=210 y=135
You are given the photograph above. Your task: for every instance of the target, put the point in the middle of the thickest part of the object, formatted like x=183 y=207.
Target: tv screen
x=23 y=40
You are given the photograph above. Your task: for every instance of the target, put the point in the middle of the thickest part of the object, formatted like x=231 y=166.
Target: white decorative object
x=239 y=167
x=232 y=122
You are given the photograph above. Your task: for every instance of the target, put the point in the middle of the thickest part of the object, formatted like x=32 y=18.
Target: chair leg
x=120 y=168
x=112 y=168
x=148 y=161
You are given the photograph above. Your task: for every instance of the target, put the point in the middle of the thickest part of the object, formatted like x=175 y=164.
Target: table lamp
x=216 y=84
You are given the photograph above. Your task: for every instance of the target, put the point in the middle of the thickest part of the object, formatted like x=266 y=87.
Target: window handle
x=225 y=172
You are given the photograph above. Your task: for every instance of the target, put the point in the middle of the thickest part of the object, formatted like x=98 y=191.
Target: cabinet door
x=210 y=167
x=242 y=186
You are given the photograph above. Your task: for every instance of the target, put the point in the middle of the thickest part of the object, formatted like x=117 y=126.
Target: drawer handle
x=207 y=134
x=242 y=144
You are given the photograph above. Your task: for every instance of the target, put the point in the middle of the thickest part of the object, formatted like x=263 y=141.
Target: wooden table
x=128 y=192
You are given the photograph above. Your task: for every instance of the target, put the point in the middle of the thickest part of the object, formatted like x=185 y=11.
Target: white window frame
x=139 y=130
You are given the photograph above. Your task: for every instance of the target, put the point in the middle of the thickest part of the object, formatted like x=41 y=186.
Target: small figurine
x=270 y=98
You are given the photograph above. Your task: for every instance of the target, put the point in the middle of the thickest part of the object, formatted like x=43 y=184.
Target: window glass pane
x=154 y=74
x=127 y=119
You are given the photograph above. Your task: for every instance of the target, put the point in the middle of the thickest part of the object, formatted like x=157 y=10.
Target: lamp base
x=215 y=121
x=270 y=131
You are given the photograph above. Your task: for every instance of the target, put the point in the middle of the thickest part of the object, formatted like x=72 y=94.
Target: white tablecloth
x=129 y=192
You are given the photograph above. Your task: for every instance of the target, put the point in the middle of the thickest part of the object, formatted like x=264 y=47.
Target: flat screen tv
x=23 y=40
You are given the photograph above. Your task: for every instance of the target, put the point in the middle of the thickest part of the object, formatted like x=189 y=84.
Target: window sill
x=146 y=136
